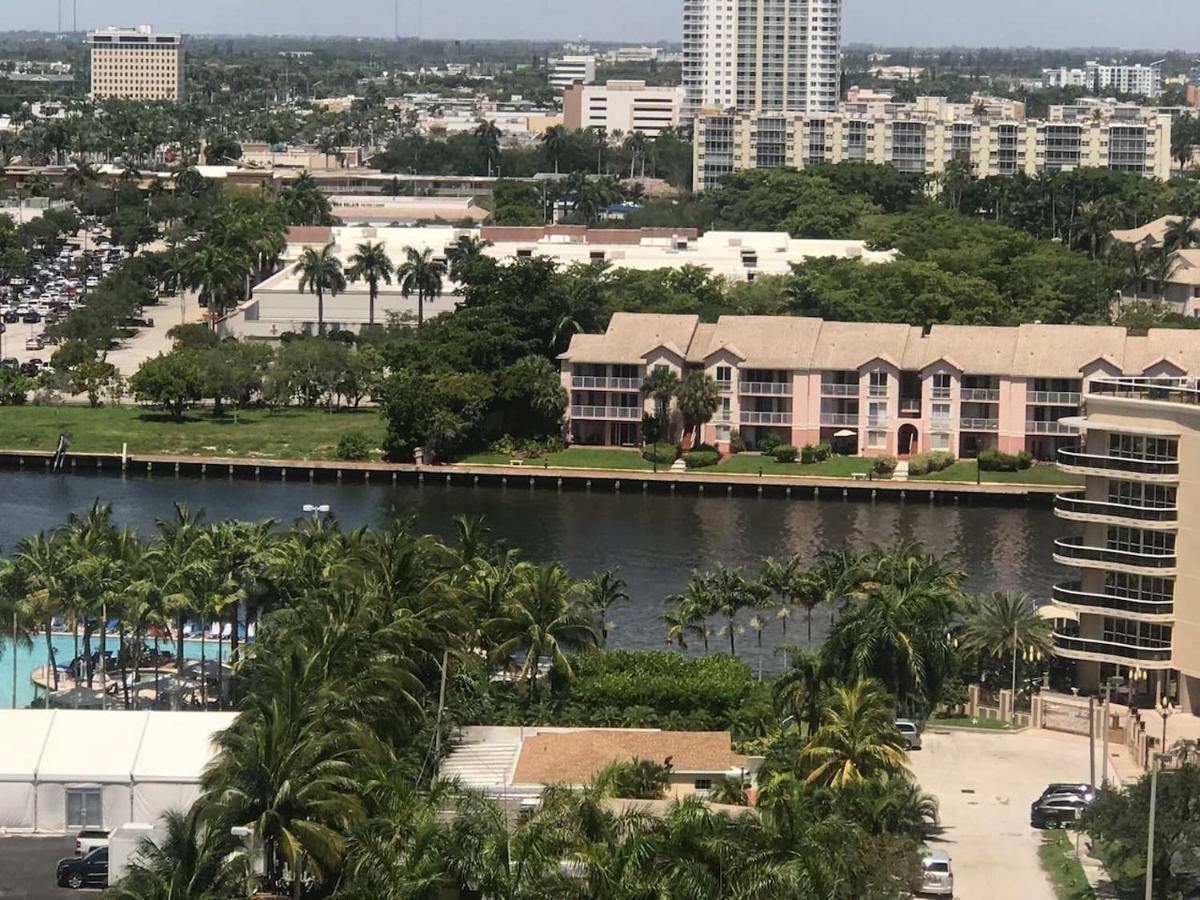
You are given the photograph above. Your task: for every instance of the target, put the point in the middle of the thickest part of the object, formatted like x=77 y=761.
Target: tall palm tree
x=216 y=273
x=502 y=859
x=603 y=591
x=554 y=142
x=465 y=251
x=488 y=136
x=1182 y=234
x=370 y=263
x=44 y=567
x=857 y=740
x=661 y=384
x=421 y=274
x=699 y=398
x=321 y=272
x=733 y=592
x=801 y=687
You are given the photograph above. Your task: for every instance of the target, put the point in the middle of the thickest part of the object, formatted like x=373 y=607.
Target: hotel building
x=137 y=64
x=1134 y=609
x=622 y=106
x=568 y=70
x=872 y=389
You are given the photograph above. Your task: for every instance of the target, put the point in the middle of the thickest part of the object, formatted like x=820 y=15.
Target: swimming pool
x=32 y=658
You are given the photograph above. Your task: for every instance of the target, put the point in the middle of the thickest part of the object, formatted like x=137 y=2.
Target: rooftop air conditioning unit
x=735 y=242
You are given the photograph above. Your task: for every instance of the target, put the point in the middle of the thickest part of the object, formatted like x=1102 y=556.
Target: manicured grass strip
x=964 y=722
x=288 y=434
x=837 y=467
x=1057 y=856
x=966 y=471
x=574 y=458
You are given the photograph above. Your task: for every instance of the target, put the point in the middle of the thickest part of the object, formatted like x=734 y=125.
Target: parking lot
x=27 y=868
x=984 y=783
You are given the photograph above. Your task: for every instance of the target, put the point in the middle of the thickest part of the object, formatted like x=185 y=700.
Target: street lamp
x=1110 y=685
x=1166 y=709
x=1155 y=765
x=315 y=510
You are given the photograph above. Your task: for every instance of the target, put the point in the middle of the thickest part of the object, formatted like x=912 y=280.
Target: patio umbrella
x=844 y=433
x=76 y=698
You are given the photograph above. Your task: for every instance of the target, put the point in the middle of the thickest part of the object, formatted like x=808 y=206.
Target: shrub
x=1024 y=459
x=666 y=682
x=925 y=463
x=663 y=454
x=354 y=446
x=505 y=446
x=701 y=459
x=736 y=443
x=786 y=453
x=768 y=442
x=884 y=466
x=996 y=461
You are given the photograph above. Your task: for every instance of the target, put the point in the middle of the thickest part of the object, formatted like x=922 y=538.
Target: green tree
x=370 y=263
x=320 y=273
x=699 y=399
x=421 y=274
x=662 y=385
x=172 y=381
x=857 y=740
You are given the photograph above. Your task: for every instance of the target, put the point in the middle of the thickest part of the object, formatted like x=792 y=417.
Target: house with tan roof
x=1181 y=289
x=872 y=389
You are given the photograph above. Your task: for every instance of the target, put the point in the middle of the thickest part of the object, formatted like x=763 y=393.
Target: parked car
x=937 y=880
x=86 y=871
x=1057 y=810
x=34 y=344
x=89 y=839
x=31 y=318
x=911 y=733
x=1079 y=789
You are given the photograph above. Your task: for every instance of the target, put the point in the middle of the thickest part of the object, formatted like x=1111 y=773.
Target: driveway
x=984 y=783
x=27 y=868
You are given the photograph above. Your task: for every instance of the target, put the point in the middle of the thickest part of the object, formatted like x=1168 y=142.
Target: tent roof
x=178 y=745
x=24 y=736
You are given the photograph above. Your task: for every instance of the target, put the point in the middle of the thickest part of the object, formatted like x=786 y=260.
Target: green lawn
x=966 y=471
x=574 y=458
x=964 y=722
x=838 y=467
x=1057 y=856
x=289 y=434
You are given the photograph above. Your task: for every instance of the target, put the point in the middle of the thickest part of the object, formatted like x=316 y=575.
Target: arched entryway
x=906 y=440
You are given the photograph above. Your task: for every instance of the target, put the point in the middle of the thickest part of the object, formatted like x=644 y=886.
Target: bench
x=516 y=463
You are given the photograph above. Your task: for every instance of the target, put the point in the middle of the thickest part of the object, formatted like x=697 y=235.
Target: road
x=984 y=783
x=27 y=868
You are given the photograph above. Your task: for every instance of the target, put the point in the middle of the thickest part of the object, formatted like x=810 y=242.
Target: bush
x=354 y=446
x=663 y=454
x=666 y=682
x=995 y=461
x=884 y=466
x=786 y=453
x=736 y=443
x=1024 y=460
x=815 y=453
x=701 y=459
x=768 y=443
x=504 y=446
x=925 y=463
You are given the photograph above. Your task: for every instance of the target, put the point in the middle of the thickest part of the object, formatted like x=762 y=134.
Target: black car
x=86 y=871
x=31 y=318
x=1078 y=789
x=1057 y=811
x=11 y=318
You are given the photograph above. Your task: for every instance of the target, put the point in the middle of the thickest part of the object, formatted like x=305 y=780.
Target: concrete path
x=901 y=473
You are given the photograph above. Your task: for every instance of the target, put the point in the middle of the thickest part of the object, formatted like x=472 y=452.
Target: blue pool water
x=32 y=658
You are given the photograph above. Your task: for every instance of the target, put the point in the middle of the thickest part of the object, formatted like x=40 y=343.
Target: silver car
x=911 y=733
x=936 y=878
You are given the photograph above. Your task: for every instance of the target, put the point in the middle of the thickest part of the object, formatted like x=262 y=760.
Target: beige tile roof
x=1152 y=231
x=1187 y=269
x=631 y=336
x=1062 y=351
x=850 y=345
x=768 y=342
x=575 y=757
x=972 y=349
x=1179 y=346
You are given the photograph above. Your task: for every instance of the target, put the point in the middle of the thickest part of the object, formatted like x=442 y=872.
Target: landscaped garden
x=967 y=471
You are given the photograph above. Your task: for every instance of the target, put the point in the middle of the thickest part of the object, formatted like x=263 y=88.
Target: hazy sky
x=1048 y=23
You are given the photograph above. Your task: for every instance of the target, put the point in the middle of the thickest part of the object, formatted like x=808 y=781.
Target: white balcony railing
x=940 y=424
x=877 y=421
x=1049 y=428
x=833 y=389
x=877 y=390
x=766 y=418
x=766 y=388
x=849 y=419
x=607 y=412
x=724 y=386
x=1054 y=398
x=979 y=424
x=593 y=383
x=980 y=395
x=940 y=393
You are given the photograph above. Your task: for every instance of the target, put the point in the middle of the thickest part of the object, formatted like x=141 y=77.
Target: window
x=878 y=415
x=85 y=808
x=941 y=386
x=939 y=441
x=661 y=367
x=1136 y=540
x=876 y=440
x=1131 y=493
x=1140 y=634
x=724 y=374
x=1139 y=587
x=703 y=784
x=879 y=384
x=941 y=416
x=1136 y=446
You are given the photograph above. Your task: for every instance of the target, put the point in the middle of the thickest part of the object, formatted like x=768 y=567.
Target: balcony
x=939 y=423
x=597 y=383
x=627 y=413
x=940 y=393
x=1163 y=390
x=877 y=390
x=1074 y=552
x=833 y=389
x=1071 y=595
x=877 y=421
x=725 y=387
x=1081 y=510
x=1053 y=398
x=980 y=395
x=1049 y=428
x=765 y=388
x=766 y=418
x=1080 y=463
x=843 y=419
x=1110 y=651
x=979 y=424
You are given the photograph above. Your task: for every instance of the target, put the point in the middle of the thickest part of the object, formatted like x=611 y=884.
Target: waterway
x=654 y=539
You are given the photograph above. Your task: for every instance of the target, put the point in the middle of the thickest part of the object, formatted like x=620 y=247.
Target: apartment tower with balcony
x=1133 y=609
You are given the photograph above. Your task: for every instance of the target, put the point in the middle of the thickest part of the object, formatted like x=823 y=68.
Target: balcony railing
x=724 y=386
x=877 y=421
x=606 y=412
x=877 y=390
x=1049 y=428
x=850 y=419
x=1054 y=398
x=1073 y=551
x=1067 y=645
x=979 y=424
x=834 y=389
x=591 y=382
x=940 y=393
x=980 y=395
x=1105 y=509
x=940 y=424
x=766 y=388
x=1072 y=460
x=1167 y=390
x=766 y=418
x=1071 y=594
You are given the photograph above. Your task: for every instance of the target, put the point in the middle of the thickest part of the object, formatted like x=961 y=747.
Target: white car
x=936 y=878
x=910 y=732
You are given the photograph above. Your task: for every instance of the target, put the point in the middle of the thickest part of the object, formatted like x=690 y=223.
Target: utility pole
x=1155 y=765
x=75 y=16
x=1012 y=717
x=437 y=727
x=14 y=656
x=1092 y=740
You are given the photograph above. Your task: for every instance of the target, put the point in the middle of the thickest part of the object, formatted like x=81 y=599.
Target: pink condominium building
x=872 y=389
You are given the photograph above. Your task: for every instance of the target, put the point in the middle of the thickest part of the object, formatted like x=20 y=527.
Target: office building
x=1133 y=610
x=872 y=389
x=137 y=64
x=761 y=55
x=1142 y=80
x=622 y=106
x=567 y=70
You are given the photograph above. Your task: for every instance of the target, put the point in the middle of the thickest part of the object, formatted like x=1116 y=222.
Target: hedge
x=786 y=453
x=925 y=463
x=701 y=459
x=884 y=465
x=995 y=461
x=663 y=454
x=662 y=681
x=815 y=453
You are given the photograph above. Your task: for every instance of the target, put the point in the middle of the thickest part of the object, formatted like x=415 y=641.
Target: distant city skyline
x=1150 y=24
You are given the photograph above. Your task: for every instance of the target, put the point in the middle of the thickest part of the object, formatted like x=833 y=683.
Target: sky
x=1045 y=23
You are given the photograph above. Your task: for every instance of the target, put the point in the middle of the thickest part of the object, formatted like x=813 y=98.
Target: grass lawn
x=574 y=458
x=289 y=434
x=1057 y=856
x=837 y=467
x=964 y=722
x=967 y=469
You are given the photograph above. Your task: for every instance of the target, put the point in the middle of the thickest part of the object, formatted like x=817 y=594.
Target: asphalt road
x=27 y=868
x=984 y=783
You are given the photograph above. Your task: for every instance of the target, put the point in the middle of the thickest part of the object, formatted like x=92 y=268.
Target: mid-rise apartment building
x=1140 y=79
x=873 y=389
x=1133 y=610
x=567 y=70
x=924 y=142
x=137 y=64
x=623 y=106
x=752 y=55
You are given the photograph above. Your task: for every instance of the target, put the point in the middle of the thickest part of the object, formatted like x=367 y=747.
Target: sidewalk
x=1094 y=871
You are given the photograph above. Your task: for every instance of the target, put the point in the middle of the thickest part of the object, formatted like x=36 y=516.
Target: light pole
x=1155 y=765
x=1166 y=709
x=1012 y=712
x=316 y=511
x=1110 y=685
x=14 y=655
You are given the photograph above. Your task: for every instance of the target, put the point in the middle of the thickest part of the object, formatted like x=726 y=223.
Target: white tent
x=63 y=769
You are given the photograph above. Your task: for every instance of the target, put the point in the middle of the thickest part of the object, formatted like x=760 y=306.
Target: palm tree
x=44 y=567
x=488 y=136
x=321 y=271
x=1181 y=234
x=732 y=592
x=216 y=273
x=370 y=263
x=857 y=740
x=1163 y=266
x=603 y=591
x=554 y=142
x=422 y=274
x=503 y=860
x=699 y=399
x=305 y=203
x=662 y=384
x=800 y=689
x=1136 y=262
x=466 y=251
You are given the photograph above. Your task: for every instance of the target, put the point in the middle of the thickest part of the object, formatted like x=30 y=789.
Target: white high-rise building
x=137 y=64
x=761 y=55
